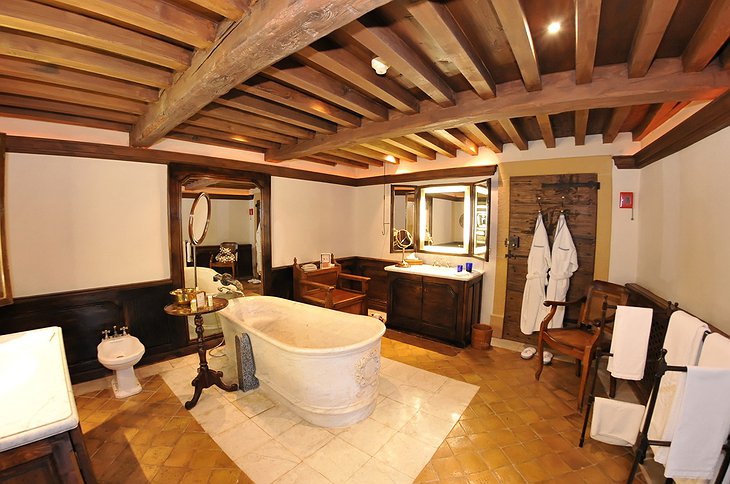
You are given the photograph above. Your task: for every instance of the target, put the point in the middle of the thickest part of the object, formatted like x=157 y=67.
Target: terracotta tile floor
x=514 y=430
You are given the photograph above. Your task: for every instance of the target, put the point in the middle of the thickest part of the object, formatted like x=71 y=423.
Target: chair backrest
x=233 y=246
x=591 y=311
x=327 y=276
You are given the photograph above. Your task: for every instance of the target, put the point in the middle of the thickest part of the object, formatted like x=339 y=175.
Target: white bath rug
x=415 y=412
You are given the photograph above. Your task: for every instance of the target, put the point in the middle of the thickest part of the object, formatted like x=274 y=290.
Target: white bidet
x=120 y=354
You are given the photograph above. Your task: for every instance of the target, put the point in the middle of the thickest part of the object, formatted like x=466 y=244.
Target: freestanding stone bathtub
x=323 y=364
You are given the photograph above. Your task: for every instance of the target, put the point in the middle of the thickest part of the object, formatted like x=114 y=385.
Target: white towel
x=629 y=342
x=682 y=342
x=615 y=422
x=715 y=352
x=703 y=424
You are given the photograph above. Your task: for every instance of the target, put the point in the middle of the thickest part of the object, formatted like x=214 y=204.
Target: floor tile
x=337 y=460
x=268 y=462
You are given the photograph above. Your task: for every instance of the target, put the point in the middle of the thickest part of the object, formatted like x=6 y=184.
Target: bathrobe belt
x=538 y=275
x=560 y=276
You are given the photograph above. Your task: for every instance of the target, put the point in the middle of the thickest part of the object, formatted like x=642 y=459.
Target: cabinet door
x=404 y=301
x=441 y=304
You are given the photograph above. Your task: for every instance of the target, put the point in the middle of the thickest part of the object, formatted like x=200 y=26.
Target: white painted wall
x=685 y=226
x=80 y=223
x=308 y=218
x=229 y=221
x=624 y=230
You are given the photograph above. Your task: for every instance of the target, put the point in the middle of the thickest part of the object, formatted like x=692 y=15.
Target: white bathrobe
x=562 y=266
x=538 y=263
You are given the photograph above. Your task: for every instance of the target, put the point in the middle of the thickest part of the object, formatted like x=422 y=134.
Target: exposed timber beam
x=657 y=115
x=456 y=137
x=241 y=117
x=413 y=147
x=437 y=20
x=618 y=116
x=231 y=9
x=484 y=135
x=340 y=160
x=710 y=36
x=356 y=157
x=587 y=19
x=581 y=126
x=546 y=129
x=347 y=66
x=653 y=23
x=244 y=50
x=514 y=22
x=610 y=88
x=382 y=41
x=430 y=141
x=388 y=149
x=514 y=134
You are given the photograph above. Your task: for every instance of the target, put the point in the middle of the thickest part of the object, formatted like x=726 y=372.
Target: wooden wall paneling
x=581 y=205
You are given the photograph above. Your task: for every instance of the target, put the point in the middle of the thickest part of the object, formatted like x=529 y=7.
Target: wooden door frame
x=602 y=166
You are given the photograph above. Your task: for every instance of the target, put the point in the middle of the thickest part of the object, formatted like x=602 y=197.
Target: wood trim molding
x=705 y=122
x=6 y=294
x=467 y=171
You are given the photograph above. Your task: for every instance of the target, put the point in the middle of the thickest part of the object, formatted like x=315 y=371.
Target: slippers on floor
x=528 y=353
x=547 y=357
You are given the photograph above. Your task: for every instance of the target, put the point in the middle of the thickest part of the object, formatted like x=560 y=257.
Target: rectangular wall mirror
x=402 y=213
x=480 y=235
x=445 y=219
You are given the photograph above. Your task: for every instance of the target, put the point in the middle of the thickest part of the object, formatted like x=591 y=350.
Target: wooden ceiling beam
x=581 y=126
x=653 y=23
x=388 y=149
x=242 y=129
x=64 y=94
x=708 y=39
x=242 y=51
x=357 y=157
x=347 y=66
x=655 y=117
x=514 y=23
x=459 y=139
x=385 y=43
x=334 y=91
x=436 y=19
x=241 y=117
x=192 y=138
x=166 y=19
x=252 y=104
x=60 y=24
x=546 y=130
x=362 y=150
x=230 y=9
x=292 y=98
x=484 y=136
x=67 y=108
x=412 y=147
x=341 y=160
x=69 y=78
x=36 y=49
x=587 y=20
x=514 y=134
x=618 y=116
x=74 y=120
x=200 y=130
x=320 y=161
x=610 y=88
x=430 y=141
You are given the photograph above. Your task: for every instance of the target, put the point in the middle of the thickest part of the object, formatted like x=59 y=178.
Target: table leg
x=206 y=377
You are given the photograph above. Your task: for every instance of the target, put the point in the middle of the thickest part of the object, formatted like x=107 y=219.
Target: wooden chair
x=231 y=247
x=325 y=288
x=580 y=342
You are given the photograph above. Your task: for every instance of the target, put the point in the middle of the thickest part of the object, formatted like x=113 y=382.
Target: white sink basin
x=436 y=271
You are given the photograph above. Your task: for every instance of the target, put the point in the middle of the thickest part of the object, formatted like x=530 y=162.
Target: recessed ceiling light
x=390 y=158
x=554 y=27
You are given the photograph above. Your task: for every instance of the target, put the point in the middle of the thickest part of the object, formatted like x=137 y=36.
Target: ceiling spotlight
x=554 y=28
x=379 y=66
x=390 y=159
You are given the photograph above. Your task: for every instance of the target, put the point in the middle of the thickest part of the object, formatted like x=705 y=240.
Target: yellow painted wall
x=602 y=165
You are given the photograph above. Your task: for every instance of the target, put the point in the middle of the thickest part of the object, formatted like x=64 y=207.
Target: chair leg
x=578 y=367
x=611 y=387
x=538 y=356
x=586 y=364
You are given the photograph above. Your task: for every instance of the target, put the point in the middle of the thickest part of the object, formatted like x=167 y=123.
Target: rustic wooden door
x=577 y=195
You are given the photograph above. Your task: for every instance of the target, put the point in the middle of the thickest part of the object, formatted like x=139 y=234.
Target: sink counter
x=36 y=392
x=436 y=271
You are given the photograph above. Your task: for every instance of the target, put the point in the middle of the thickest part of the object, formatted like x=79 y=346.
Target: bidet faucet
x=105 y=334
x=124 y=330
x=114 y=331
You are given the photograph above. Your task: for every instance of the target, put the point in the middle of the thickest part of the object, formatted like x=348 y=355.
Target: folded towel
x=715 y=352
x=702 y=426
x=629 y=342
x=682 y=342
x=615 y=422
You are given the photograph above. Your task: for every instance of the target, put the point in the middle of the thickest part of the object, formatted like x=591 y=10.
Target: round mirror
x=403 y=239
x=199 y=219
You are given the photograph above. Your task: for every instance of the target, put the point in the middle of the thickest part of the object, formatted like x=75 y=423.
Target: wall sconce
x=379 y=66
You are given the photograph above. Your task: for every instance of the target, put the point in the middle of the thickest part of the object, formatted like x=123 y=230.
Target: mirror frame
x=475 y=197
x=414 y=234
x=191 y=219
x=177 y=173
x=422 y=224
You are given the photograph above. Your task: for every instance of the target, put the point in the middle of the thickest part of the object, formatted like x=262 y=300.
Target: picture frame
x=325 y=260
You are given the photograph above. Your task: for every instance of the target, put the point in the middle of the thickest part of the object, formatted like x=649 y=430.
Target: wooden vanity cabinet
x=435 y=307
